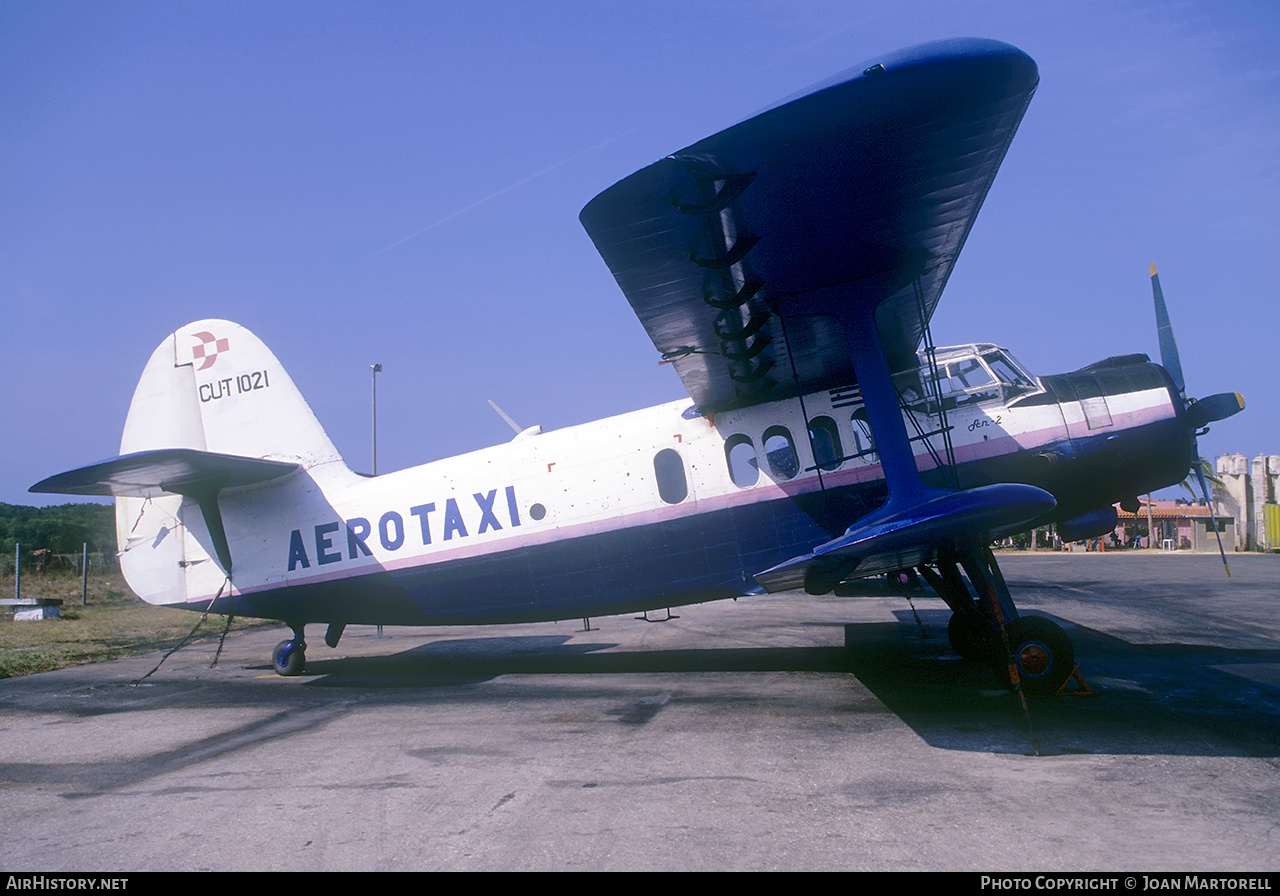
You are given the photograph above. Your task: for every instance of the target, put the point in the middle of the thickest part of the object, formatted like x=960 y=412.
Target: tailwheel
x=290 y=657
x=1041 y=652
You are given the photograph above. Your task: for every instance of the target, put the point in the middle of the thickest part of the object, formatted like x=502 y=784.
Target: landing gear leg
x=985 y=625
x=290 y=657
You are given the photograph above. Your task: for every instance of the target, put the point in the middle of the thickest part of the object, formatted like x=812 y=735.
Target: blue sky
x=400 y=182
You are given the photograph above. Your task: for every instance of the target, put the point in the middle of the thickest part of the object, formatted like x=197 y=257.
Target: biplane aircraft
x=787 y=268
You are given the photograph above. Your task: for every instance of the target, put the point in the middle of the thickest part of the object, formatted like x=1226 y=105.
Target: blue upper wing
x=740 y=252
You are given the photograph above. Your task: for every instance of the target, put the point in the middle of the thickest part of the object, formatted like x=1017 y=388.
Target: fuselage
x=657 y=507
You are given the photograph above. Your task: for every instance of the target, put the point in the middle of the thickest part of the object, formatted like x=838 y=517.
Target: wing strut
x=881 y=401
x=916 y=518
x=935 y=380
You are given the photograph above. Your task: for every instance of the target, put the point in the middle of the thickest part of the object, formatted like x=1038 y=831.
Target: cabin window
x=864 y=445
x=668 y=466
x=780 y=451
x=825 y=439
x=744 y=466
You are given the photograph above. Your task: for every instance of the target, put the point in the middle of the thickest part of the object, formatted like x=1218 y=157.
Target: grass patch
x=113 y=623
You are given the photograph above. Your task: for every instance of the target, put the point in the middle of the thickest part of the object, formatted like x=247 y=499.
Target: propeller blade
x=1199 y=414
x=1213 y=519
x=1202 y=412
x=1169 y=358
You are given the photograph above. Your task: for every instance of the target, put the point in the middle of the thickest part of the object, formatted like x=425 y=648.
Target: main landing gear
x=985 y=625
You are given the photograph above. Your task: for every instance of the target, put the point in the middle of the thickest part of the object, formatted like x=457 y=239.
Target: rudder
x=211 y=386
x=214 y=386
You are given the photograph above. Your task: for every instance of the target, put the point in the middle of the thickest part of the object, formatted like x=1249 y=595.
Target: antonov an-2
x=787 y=268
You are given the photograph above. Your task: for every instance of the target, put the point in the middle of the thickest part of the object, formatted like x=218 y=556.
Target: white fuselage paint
x=327 y=523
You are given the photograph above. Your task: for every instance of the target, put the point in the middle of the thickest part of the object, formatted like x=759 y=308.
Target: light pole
x=376 y=368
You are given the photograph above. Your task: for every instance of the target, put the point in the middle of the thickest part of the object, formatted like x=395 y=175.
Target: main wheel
x=1042 y=653
x=289 y=658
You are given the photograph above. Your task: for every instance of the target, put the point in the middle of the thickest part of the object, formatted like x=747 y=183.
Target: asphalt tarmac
x=739 y=735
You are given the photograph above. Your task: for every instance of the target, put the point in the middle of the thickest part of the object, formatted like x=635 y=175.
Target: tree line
x=63 y=529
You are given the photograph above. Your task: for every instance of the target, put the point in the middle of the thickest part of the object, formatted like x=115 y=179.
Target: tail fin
x=214 y=411
x=213 y=386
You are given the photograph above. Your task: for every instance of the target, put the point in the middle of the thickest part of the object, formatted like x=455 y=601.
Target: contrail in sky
x=505 y=190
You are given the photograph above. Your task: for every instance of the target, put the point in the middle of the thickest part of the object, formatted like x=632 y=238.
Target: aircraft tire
x=289 y=658
x=1042 y=652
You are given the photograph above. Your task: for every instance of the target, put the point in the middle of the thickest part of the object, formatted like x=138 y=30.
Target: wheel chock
x=1081 y=687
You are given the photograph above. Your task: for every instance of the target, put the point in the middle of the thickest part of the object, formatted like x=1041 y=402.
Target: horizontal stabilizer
x=200 y=475
x=907 y=538
x=150 y=474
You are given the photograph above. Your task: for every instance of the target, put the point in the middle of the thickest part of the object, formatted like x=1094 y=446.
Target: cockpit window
x=968 y=382
x=964 y=379
x=1003 y=367
x=968 y=374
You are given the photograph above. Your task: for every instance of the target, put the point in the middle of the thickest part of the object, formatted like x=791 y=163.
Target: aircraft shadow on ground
x=1162 y=699
x=485 y=658
x=1169 y=699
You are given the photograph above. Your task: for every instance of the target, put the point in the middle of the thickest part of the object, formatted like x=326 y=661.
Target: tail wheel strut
x=290 y=657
